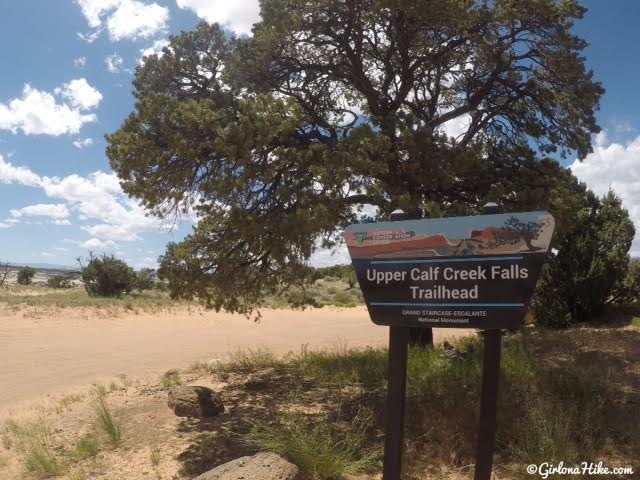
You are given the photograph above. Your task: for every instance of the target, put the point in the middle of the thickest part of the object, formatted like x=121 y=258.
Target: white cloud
x=80 y=94
x=137 y=20
x=155 y=49
x=93 y=10
x=114 y=63
x=238 y=15
x=145 y=262
x=11 y=174
x=97 y=199
x=96 y=244
x=55 y=211
x=87 y=142
x=11 y=221
x=112 y=232
x=100 y=197
x=80 y=62
x=456 y=127
x=326 y=257
x=89 y=37
x=124 y=19
x=614 y=166
x=39 y=113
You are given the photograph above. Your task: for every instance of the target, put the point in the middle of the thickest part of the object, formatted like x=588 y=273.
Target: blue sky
x=66 y=82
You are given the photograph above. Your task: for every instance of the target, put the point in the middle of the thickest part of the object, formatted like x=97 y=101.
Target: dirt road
x=43 y=353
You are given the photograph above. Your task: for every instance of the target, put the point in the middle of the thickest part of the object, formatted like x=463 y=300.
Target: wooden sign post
x=460 y=272
x=396 y=392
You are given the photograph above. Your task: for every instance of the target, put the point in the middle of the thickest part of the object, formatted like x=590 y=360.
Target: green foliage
x=4 y=272
x=542 y=374
x=107 y=276
x=171 y=378
x=78 y=297
x=300 y=298
x=334 y=271
x=25 y=276
x=68 y=400
x=341 y=367
x=327 y=291
x=61 y=281
x=145 y=279
x=352 y=279
x=591 y=261
x=34 y=443
x=251 y=360
x=85 y=447
x=321 y=449
x=275 y=153
x=154 y=456
x=105 y=423
x=200 y=367
x=342 y=272
x=628 y=290
x=77 y=474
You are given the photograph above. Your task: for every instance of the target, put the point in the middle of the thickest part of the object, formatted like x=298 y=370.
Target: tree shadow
x=617 y=316
x=219 y=440
x=563 y=392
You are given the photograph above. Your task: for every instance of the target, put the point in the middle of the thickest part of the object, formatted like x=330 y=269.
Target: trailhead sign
x=460 y=272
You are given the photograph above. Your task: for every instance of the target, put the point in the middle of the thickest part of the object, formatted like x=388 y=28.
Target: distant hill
x=45 y=266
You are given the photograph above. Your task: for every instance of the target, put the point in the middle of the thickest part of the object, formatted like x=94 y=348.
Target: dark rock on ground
x=195 y=401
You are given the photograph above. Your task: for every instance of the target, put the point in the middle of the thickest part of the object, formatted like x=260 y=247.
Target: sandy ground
x=53 y=351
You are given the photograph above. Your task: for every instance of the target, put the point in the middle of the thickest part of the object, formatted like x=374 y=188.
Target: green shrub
x=145 y=279
x=107 y=276
x=591 y=260
x=60 y=281
x=154 y=456
x=344 y=299
x=105 y=422
x=628 y=290
x=78 y=474
x=300 y=297
x=251 y=360
x=342 y=367
x=352 y=278
x=556 y=403
x=86 y=447
x=33 y=442
x=334 y=272
x=171 y=378
x=320 y=448
x=25 y=275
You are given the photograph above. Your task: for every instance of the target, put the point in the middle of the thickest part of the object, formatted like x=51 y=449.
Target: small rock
x=262 y=466
x=195 y=401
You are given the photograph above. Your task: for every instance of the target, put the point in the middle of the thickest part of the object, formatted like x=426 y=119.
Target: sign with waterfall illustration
x=464 y=272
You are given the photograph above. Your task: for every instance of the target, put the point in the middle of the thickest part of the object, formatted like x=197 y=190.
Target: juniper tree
x=25 y=276
x=278 y=140
x=591 y=261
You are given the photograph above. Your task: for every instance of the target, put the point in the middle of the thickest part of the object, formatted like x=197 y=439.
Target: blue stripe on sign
x=391 y=304
x=447 y=260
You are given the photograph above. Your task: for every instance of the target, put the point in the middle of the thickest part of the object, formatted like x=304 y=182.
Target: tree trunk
x=422 y=337
x=530 y=246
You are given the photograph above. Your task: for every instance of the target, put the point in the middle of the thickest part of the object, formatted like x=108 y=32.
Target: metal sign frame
x=493 y=262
